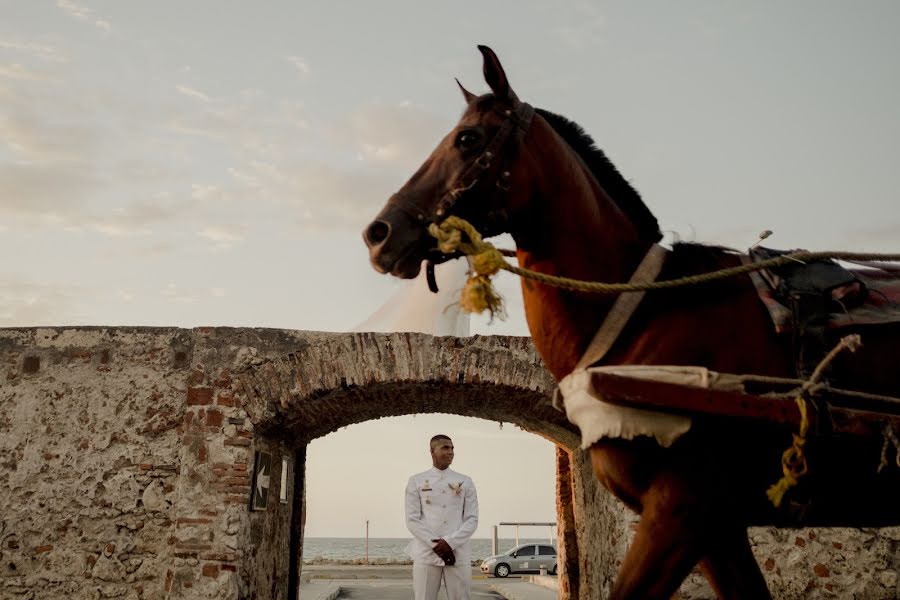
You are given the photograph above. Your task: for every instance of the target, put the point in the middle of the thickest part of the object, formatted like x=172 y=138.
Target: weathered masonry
x=169 y=463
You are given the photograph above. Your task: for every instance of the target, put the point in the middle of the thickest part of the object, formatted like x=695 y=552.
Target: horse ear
x=469 y=96
x=495 y=77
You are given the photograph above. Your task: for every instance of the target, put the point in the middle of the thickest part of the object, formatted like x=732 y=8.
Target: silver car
x=521 y=559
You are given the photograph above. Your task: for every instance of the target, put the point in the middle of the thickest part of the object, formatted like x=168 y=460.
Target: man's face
x=442 y=454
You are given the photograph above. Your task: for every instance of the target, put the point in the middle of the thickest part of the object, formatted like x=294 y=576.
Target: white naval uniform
x=441 y=504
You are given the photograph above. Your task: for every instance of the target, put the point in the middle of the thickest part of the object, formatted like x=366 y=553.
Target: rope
x=488 y=260
x=890 y=439
x=793 y=461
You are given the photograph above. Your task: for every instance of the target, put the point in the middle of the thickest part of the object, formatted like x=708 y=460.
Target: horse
x=509 y=168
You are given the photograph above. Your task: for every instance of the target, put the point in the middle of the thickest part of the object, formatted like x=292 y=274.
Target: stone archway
x=370 y=376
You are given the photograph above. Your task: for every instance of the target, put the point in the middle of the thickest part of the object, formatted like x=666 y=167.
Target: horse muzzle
x=397 y=245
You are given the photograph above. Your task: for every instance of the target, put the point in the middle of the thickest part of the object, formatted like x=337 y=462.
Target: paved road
x=387 y=589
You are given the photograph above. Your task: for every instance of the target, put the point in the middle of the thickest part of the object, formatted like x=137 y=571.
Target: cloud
x=130 y=220
x=43 y=52
x=322 y=196
x=192 y=93
x=301 y=65
x=223 y=236
x=17 y=71
x=83 y=14
x=401 y=134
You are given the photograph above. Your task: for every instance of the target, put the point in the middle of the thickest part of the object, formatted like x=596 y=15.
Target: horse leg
x=730 y=567
x=664 y=550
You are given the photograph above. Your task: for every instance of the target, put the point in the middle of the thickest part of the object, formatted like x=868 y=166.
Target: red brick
x=210 y=570
x=234 y=499
x=821 y=570
x=197 y=376
x=225 y=398
x=44 y=548
x=239 y=466
x=770 y=564
x=214 y=418
x=199 y=395
x=201 y=454
x=245 y=434
x=229 y=568
x=219 y=556
x=146 y=466
x=799 y=541
x=233 y=489
x=232 y=441
x=245 y=480
x=223 y=380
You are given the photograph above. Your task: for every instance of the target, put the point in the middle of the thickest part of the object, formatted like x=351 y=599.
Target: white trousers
x=427 y=581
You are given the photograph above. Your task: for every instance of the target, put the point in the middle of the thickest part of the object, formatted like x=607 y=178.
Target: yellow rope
x=487 y=260
x=793 y=461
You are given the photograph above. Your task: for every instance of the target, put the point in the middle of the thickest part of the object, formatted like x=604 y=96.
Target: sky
x=213 y=163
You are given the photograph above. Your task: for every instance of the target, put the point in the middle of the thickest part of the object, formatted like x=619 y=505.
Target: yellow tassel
x=793 y=461
x=478 y=295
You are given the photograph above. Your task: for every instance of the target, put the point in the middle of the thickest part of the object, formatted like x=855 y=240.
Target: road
x=387 y=589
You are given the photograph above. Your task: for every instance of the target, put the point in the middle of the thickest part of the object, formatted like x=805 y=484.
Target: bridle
x=487 y=166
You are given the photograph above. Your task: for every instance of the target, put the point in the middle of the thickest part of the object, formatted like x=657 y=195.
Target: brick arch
x=344 y=379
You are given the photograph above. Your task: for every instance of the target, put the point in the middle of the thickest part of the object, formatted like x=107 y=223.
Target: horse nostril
x=376 y=233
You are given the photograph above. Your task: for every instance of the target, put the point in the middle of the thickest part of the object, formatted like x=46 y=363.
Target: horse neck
x=581 y=234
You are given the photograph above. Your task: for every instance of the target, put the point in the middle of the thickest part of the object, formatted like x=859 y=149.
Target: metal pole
x=367 y=541
x=517 y=535
x=494 y=550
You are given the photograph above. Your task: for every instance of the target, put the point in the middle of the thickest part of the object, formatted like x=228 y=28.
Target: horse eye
x=467 y=139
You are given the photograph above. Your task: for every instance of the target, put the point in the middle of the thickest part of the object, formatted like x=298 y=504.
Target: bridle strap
x=513 y=129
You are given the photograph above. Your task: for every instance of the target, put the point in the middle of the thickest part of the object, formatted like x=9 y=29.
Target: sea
x=388 y=550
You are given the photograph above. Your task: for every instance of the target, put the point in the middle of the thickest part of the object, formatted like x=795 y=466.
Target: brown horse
x=538 y=176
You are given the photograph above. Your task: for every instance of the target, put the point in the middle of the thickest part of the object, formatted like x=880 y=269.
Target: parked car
x=523 y=558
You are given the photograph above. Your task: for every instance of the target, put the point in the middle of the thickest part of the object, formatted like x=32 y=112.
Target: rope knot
x=478 y=295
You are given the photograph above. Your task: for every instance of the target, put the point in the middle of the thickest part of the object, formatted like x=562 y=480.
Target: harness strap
x=623 y=309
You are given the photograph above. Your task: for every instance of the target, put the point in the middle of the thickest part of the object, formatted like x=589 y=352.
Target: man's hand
x=443 y=549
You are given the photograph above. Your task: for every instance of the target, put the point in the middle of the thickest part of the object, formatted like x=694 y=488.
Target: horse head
x=471 y=174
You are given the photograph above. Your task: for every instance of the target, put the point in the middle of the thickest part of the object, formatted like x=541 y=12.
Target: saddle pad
x=596 y=418
x=880 y=305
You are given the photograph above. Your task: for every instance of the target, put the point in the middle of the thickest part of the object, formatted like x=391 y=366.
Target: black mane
x=618 y=188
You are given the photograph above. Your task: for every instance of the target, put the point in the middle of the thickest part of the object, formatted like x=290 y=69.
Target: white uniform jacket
x=440 y=504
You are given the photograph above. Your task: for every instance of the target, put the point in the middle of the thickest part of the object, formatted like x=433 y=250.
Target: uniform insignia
x=456 y=487
x=426 y=487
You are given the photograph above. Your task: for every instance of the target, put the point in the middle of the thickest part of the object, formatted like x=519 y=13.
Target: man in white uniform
x=442 y=515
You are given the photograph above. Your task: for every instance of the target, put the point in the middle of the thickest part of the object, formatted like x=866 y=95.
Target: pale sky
x=213 y=162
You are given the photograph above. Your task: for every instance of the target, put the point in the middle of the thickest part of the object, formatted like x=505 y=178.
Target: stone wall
x=90 y=460
x=127 y=460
